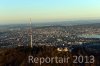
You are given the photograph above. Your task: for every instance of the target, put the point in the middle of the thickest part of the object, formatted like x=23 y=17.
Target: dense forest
x=19 y=56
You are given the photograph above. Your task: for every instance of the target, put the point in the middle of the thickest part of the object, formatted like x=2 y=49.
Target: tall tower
x=31 y=44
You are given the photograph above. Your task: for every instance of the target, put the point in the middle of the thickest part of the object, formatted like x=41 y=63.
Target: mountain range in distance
x=60 y=23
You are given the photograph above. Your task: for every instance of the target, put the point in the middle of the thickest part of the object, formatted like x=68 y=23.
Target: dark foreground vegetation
x=19 y=56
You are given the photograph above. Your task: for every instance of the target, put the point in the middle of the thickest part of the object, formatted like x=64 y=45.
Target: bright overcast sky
x=13 y=11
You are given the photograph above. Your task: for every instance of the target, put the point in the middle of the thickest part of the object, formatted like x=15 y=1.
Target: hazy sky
x=13 y=11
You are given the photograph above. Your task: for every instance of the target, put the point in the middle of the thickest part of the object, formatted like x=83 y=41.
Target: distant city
x=53 y=35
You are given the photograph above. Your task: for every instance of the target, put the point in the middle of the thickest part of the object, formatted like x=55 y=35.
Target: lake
x=89 y=36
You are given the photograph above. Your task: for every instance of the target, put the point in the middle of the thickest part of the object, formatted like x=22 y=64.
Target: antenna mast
x=31 y=45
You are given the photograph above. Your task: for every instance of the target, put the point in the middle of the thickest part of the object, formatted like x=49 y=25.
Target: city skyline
x=19 y=11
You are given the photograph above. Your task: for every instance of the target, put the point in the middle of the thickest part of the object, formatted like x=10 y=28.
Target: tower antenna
x=31 y=44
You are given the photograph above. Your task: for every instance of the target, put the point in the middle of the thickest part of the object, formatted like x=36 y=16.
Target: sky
x=19 y=11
